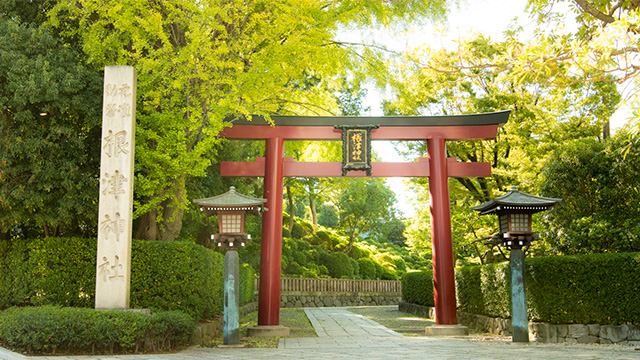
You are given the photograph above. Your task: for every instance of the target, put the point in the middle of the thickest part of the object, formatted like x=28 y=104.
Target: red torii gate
x=434 y=129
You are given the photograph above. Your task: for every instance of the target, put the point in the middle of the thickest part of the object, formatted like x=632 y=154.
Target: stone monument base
x=268 y=331
x=446 y=330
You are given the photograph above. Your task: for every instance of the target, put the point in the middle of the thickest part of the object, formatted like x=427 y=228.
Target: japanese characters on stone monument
x=113 y=267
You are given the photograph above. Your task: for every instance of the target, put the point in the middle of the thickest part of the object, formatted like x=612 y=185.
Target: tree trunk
x=291 y=213
x=148 y=227
x=173 y=213
x=172 y=222
x=606 y=130
x=312 y=206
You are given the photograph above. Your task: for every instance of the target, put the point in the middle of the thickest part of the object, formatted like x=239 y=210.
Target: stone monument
x=113 y=267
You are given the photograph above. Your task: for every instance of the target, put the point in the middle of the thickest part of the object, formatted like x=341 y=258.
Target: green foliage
x=247 y=285
x=49 y=113
x=393 y=231
x=328 y=216
x=364 y=206
x=177 y=276
x=584 y=289
x=200 y=63
x=417 y=288
x=63 y=271
x=338 y=264
x=485 y=289
x=16 y=284
x=297 y=232
x=50 y=329
x=165 y=275
x=599 y=183
x=367 y=268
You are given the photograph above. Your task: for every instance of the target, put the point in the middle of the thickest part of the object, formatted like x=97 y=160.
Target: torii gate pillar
x=442 y=252
x=271 y=249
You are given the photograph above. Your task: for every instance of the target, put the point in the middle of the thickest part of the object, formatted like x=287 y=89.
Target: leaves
x=49 y=107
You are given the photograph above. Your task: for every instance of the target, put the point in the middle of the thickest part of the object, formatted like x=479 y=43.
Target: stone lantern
x=514 y=211
x=231 y=208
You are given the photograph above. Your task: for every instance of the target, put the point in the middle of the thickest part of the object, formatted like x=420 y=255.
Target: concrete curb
x=10 y=355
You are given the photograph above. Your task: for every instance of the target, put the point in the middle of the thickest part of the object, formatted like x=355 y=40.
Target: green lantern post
x=514 y=210
x=231 y=208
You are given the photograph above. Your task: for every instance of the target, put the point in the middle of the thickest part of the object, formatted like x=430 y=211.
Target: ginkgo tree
x=201 y=64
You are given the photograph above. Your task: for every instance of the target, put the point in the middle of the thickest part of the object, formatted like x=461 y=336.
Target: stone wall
x=541 y=332
x=337 y=300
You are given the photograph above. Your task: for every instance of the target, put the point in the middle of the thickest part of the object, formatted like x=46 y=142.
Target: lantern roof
x=516 y=200
x=231 y=200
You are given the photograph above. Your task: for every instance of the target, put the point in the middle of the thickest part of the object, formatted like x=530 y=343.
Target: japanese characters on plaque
x=356 y=147
x=113 y=267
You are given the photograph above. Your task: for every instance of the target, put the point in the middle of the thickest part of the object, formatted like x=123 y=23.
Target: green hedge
x=247 y=285
x=417 y=288
x=177 y=276
x=596 y=288
x=49 y=329
x=165 y=275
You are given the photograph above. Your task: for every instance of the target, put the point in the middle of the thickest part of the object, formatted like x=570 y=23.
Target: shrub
x=367 y=268
x=297 y=232
x=49 y=329
x=338 y=265
x=596 y=288
x=177 y=276
x=247 y=285
x=165 y=275
x=417 y=288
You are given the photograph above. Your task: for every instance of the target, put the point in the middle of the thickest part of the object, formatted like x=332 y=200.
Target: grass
x=294 y=319
x=392 y=318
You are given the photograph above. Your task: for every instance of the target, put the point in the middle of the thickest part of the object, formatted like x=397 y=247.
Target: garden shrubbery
x=596 y=288
x=50 y=329
x=165 y=275
x=417 y=288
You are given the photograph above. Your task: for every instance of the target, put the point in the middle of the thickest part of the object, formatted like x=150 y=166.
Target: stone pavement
x=345 y=335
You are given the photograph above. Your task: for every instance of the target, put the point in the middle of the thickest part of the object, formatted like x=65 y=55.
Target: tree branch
x=591 y=10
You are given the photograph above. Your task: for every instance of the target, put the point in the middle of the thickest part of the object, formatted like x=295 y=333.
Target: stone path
x=345 y=335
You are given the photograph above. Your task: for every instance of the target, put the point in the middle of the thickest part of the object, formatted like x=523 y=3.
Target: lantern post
x=514 y=210
x=231 y=208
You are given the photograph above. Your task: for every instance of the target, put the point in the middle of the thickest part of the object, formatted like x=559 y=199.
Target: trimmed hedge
x=247 y=285
x=417 y=288
x=50 y=329
x=583 y=289
x=177 y=276
x=165 y=275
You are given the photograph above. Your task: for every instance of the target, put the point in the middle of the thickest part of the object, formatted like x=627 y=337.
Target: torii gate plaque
x=435 y=130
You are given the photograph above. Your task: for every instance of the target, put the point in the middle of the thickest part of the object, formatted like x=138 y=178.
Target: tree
x=364 y=206
x=604 y=46
x=541 y=120
x=598 y=182
x=393 y=231
x=49 y=117
x=201 y=64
